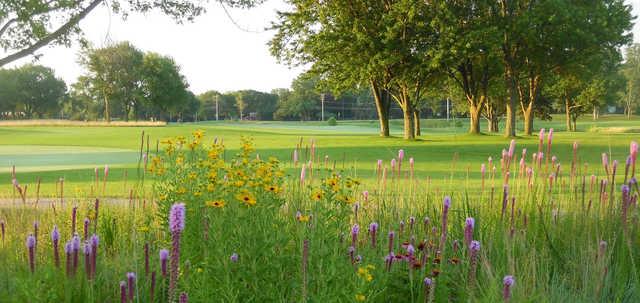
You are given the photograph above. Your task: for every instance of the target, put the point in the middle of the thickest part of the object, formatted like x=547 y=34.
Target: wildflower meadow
x=204 y=224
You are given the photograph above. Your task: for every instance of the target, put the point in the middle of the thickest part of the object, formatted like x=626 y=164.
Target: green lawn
x=73 y=152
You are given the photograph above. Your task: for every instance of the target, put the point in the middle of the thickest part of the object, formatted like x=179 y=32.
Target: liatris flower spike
x=354 y=235
x=474 y=248
x=86 y=228
x=123 y=292
x=31 y=246
x=183 y=297
x=55 y=239
x=373 y=231
x=176 y=225
x=234 y=257
x=131 y=283
x=428 y=285
x=443 y=232
x=164 y=256
x=365 y=195
x=87 y=259
x=507 y=282
x=468 y=231
x=94 y=253
x=68 y=248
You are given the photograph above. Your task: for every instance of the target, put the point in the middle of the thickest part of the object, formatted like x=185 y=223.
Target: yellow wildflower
x=360 y=297
x=216 y=203
x=247 y=198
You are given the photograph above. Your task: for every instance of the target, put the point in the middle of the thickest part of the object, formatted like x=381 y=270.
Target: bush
x=332 y=121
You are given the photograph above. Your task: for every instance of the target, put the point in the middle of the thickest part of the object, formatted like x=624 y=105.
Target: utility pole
x=217 y=107
x=322 y=105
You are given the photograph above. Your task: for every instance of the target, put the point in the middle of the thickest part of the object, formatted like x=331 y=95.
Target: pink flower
x=401 y=155
x=365 y=195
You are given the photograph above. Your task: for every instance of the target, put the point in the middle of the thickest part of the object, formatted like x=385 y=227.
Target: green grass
x=549 y=239
x=71 y=153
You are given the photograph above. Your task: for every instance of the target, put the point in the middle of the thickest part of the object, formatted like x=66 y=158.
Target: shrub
x=332 y=121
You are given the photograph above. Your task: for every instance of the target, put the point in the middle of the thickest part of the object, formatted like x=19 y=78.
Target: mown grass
x=352 y=144
x=548 y=235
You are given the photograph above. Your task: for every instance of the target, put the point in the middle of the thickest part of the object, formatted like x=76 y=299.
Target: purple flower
x=468 y=230
x=365 y=195
x=428 y=282
x=234 y=257
x=123 y=292
x=474 y=246
x=75 y=243
x=483 y=169
x=447 y=202
x=541 y=136
x=177 y=217
x=31 y=244
x=401 y=155
x=411 y=250
x=508 y=282
x=373 y=230
x=31 y=241
x=131 y=282
x=303 y=173
x=183 y=297
x=164 y=256
x=55 y=234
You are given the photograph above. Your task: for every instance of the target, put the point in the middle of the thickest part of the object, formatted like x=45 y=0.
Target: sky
x=215 y=52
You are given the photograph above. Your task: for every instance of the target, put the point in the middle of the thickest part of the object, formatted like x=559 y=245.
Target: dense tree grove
x=497 y=61
x=503 y=57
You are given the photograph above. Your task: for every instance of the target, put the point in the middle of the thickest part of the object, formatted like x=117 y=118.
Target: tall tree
x=383 y=45
x=469 y=45
x=541 y=37
x=631 y=72
x=163 y=87
x=115 y=74
x=28 y=25
x=32 y=89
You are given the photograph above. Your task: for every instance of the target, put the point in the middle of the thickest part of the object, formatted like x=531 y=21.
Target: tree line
x=496 y=58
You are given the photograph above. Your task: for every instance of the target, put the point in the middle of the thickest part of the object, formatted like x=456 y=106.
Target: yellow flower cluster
x=365 y=272
x=200 y=173
x=336 y=188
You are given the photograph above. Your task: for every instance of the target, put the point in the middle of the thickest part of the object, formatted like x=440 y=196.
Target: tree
x=163 y=88
x=383 y=45
x=469 y=44
x=32 y=89
x=542 y=37
x=240 y=104
x=114 y=74
x=28 y=25
x=631 y=72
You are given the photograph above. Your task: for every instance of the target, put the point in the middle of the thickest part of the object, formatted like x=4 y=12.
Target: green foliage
x=332 y=121
x=28 y=25
x=31 y=89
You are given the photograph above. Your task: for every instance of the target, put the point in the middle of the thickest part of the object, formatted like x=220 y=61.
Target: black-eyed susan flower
x=216 y=203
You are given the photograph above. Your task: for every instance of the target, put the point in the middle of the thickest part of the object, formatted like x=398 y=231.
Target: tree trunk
x=575 y=120
x=381 y=99
x=407 y=111
x=494 y=126
x=416 y=123
x=474 y=119
x=528 y=120
x=567 y=110
x=510 y=125
x=106 y=110
x=595 y=113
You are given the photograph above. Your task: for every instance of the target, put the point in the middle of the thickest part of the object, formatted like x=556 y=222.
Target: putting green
x=32 y=158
